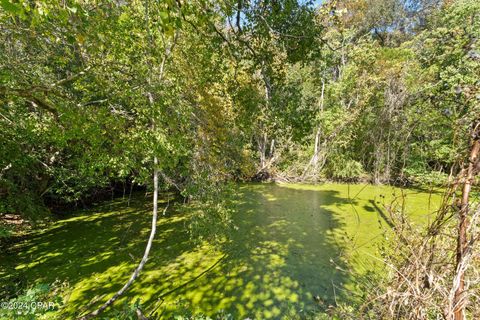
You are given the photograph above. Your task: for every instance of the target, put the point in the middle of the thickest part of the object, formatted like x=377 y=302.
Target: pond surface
x=292 y=242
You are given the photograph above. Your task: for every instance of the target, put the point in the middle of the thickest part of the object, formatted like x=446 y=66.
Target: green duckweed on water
x=292 y=242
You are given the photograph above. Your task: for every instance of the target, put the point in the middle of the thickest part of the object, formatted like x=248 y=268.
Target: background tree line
x=383 y=91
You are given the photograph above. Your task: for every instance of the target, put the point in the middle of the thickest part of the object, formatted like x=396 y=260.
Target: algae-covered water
x=291 y=243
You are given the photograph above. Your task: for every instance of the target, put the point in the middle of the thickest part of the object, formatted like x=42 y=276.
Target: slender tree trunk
x=262 y=149
x=145 y=254
x=317 y=134
x=263 y=140
x=272 y=149
x=130 y=194
x=316 y=146
x=460 y=300
x=316 y=149
x=140 y=266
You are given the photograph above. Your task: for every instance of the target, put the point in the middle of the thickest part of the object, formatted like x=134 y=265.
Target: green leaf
x=163 y=15
x=12 y=7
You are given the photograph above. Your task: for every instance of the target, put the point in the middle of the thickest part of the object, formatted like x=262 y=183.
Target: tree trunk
x=460 y=300
x=263 y=140
x=315 y=150
x=145 y=255
x=140 y=266
x=317 y=134
x=262 y=149
x=272 y=149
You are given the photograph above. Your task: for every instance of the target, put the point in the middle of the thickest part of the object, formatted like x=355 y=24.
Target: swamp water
x=292 y=242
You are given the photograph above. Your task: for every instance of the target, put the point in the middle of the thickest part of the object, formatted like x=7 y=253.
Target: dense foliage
x=96 y=96
x=239 y=90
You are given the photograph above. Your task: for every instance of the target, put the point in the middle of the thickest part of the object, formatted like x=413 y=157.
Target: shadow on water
x=283 y=258
x=375 y=208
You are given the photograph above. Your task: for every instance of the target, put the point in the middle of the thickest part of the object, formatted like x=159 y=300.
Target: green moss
x=292 y=242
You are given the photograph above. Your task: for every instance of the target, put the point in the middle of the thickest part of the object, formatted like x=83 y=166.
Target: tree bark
x=263 y=139
x=460 y=300
x=145 y=255
x=317 y=134
x=262 y=149
x=272 y=148
x=316 y=150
